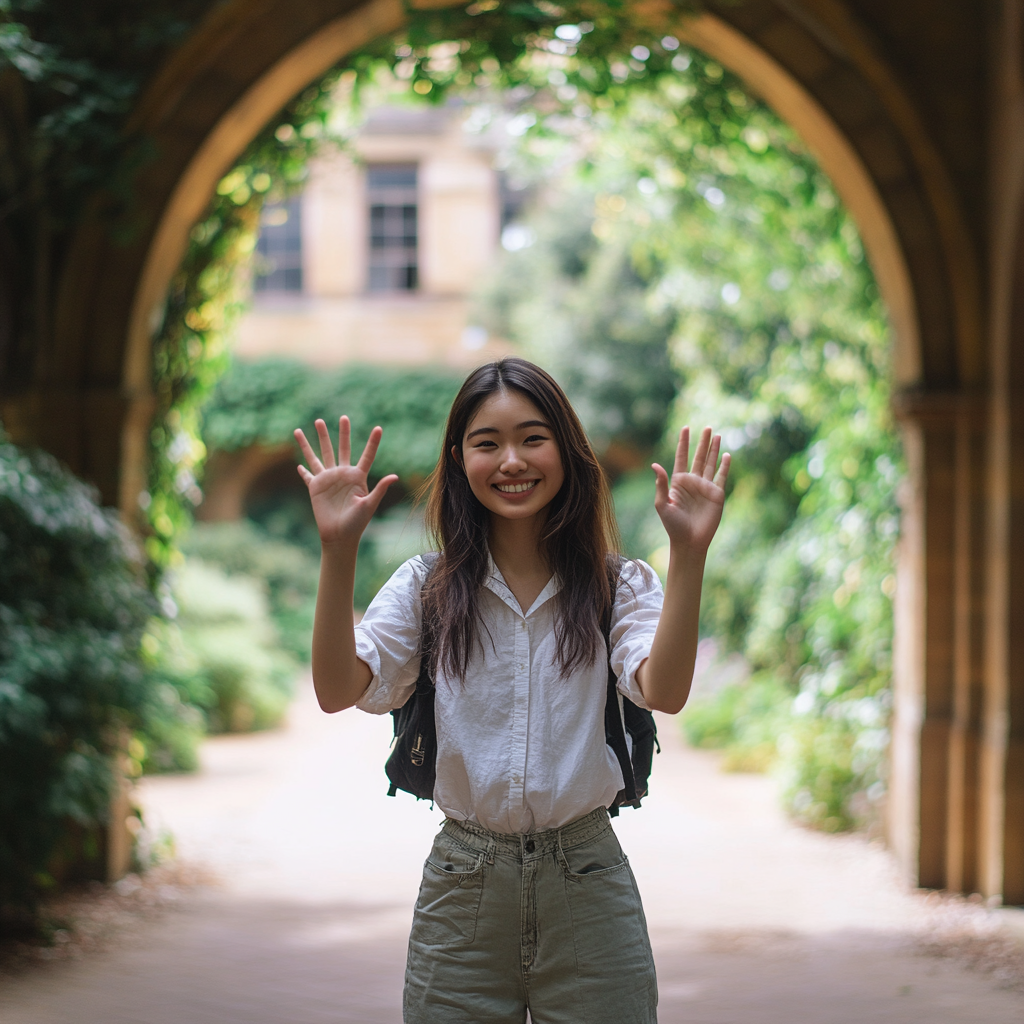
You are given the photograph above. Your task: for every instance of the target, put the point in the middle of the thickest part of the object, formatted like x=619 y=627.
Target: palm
x=690 y=501
x=339 y=492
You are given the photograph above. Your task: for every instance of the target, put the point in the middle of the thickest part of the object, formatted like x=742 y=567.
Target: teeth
x=516 y=488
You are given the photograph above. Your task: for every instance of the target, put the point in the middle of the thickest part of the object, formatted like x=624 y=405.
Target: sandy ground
x=752 y=919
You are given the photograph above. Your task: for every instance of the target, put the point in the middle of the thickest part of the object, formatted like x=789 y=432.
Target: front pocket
x=449 y=899
x=600 y=856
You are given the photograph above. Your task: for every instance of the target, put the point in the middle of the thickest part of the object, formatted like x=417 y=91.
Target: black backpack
x=413 y=761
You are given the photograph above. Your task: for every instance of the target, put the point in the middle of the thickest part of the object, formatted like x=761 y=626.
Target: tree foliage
x=585 y=48
x=582 y=308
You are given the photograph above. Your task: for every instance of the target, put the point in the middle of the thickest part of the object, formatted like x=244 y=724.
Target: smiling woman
x=466 y=512
x=525 y=628
x=512 y=463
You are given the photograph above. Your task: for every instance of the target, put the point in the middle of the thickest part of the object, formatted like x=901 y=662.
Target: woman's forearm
x=665 y=677
x=339 y=677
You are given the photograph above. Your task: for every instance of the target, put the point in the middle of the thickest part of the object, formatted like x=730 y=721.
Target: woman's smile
x=516 y=488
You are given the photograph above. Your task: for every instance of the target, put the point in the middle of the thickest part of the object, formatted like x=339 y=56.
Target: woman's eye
x=534 y=438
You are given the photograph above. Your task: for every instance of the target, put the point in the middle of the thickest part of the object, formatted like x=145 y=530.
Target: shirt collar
x=496 y=584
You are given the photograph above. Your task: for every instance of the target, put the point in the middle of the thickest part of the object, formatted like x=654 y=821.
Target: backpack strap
x=429 y=559
x=412 y=763
x=614 y=721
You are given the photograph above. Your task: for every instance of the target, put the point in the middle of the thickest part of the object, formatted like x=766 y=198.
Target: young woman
x=527 y=900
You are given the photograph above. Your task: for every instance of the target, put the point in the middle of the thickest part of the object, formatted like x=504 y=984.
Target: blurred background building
x=375 y=259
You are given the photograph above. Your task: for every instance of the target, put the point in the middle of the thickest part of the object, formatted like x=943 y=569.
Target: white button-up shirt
x=519 y=747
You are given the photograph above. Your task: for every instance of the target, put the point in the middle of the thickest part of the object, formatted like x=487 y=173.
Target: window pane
x=394 y=235
x=279 y=248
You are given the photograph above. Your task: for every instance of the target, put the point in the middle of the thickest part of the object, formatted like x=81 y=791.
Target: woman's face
x=510 y=457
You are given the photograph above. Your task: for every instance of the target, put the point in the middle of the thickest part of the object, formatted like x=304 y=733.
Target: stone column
x=963 y=792
x=925 y=617
x=1002 y=820
x=938 y=685
x=1000 y=852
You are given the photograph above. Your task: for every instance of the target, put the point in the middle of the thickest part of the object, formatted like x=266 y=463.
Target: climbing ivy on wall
x=591 y=48
x=206 y=294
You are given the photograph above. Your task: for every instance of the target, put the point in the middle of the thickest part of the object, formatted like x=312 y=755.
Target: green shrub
x=744 y=719
x=288 y=571
x=710 y=722
x=390 y=538
x=820 y=778
x=73 y=606
x=169 y=741
x=262 y=402
x=221 y=653
x=827 y=753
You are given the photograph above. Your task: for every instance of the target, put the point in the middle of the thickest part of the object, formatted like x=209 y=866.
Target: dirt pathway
x=752 y=920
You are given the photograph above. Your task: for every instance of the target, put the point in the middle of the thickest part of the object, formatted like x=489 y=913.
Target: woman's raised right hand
x=342 y=502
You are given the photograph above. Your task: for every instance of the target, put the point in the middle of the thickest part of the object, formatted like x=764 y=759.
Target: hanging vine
x=205 y=297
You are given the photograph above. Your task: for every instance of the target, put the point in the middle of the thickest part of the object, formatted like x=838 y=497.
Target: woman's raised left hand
x=690 y=503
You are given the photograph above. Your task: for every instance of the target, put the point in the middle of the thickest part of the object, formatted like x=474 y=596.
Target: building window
x=391 y=192
x=279 y=249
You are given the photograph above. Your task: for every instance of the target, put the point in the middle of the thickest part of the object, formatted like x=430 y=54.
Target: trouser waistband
x=573 y=833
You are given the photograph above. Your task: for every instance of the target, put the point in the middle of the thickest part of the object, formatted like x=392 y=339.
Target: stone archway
x=904 y=158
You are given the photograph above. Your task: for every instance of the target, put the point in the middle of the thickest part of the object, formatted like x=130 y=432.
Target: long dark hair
x=578 y=538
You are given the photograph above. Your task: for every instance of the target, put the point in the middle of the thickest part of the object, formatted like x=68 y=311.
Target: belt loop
x=490 y=851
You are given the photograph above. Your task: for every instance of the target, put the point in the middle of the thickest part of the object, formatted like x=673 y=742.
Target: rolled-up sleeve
x=388 y=639
x=635 y=616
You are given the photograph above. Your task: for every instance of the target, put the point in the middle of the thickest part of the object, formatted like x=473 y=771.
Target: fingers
x=705 y=458
x=326 y=445
x=723 y=471
x=308 y=454
x=682 y=451
x=712 y=459
x=344 y=441
x=374 y=498
x=370 y=451
x=700 y=456
x=660 y=485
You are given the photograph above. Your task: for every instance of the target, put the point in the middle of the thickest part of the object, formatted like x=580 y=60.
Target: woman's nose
x=511 y=460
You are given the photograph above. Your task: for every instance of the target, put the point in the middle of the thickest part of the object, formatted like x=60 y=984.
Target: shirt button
x=516 y=778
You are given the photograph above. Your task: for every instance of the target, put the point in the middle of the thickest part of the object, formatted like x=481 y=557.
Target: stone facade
x=339 y=314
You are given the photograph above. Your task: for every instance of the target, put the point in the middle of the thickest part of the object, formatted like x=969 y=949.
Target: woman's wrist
x=686 y=556
x=340 y=549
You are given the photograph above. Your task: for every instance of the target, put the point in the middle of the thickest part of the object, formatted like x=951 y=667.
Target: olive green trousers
x=549 y=922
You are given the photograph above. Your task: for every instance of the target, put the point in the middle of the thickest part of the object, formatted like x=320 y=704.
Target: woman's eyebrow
x=518 y=426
